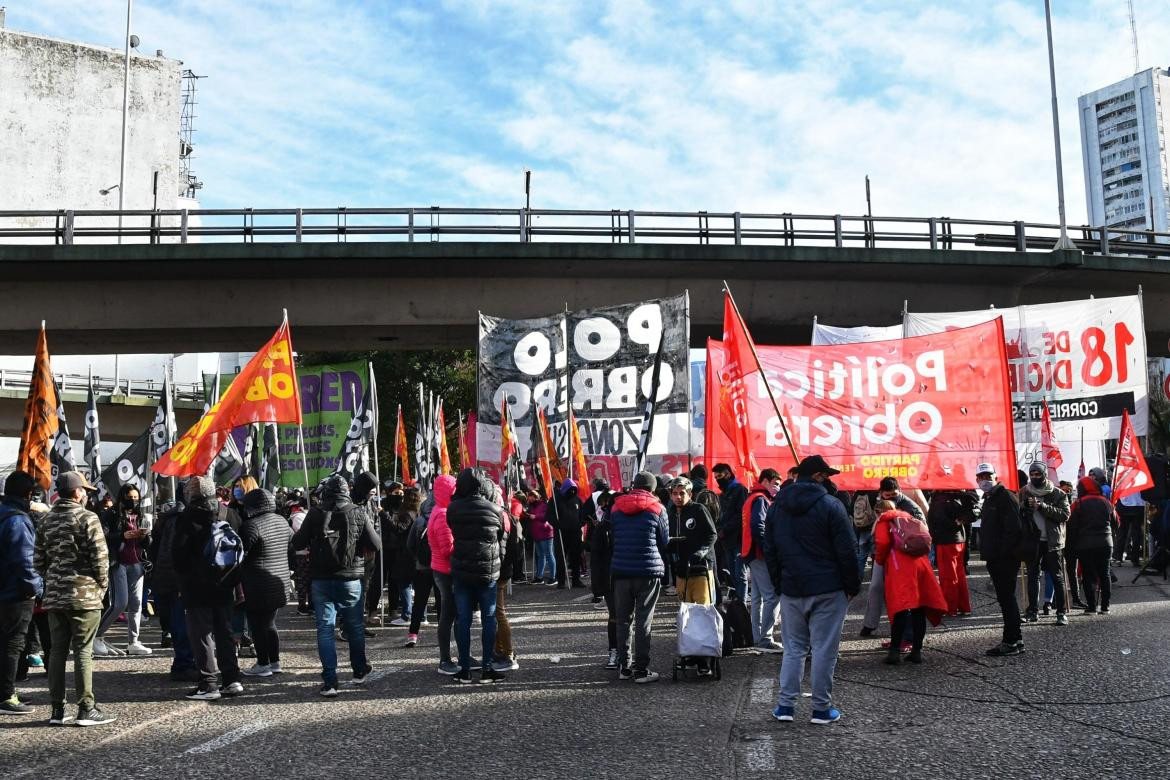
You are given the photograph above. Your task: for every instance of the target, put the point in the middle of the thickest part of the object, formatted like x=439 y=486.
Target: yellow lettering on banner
x=183 y=450
x=257 y=391
x=278 y=353
x=281 y=385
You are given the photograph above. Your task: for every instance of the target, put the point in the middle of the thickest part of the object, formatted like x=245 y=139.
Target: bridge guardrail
x=527 y=225
x=11 y=379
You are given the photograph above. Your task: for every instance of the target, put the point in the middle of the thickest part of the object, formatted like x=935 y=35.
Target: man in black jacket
x=564 y=513
x=477 y=530
x=732 y=495
x=335 y=532
x=208 y=603
x=1000 y=545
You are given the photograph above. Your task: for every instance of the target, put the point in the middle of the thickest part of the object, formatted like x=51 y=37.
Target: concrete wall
x=61 y=124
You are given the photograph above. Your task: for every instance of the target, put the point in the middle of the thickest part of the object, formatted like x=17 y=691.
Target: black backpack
x=422 y=552
x=335 y=547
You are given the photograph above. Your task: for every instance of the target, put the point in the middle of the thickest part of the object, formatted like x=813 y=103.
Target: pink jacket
x=438 y=532
x=540 y=528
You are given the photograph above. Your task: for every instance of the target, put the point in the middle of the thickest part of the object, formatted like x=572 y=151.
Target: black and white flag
x=162 y=430
x=130 y=468
x=93 y=439
x=61 y=455
x=355 y=450
x=270 y=458
x=426 y=438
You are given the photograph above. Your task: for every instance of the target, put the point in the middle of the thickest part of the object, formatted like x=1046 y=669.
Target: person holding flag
x=1046 y=506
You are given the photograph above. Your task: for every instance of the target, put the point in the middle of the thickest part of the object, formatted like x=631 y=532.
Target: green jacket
x=71 y=555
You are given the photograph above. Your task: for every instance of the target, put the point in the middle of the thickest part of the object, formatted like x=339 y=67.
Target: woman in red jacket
x=912 y=593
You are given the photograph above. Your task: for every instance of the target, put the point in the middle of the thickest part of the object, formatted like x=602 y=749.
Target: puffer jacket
x=164 y=579
x=477 y=529
x=359 y=525
x=809 y=544
x=266 y=537
x=640 y=537
x=1093 y=518
x=438 y=531
x=18 y=578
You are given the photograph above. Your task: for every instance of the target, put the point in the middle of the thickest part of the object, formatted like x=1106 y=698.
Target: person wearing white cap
x=999 y=543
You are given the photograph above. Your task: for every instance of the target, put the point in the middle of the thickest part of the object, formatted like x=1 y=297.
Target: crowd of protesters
x=216 y=567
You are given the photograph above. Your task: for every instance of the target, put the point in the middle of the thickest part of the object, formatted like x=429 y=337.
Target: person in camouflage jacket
x=71 y=555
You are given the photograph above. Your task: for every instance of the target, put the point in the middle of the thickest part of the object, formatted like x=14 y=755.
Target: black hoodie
x=477 y=527
x=359 y=528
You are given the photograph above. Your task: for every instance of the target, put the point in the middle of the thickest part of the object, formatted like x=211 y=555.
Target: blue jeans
x=765 y=602
x=333 y=599
x=546 y=561
x=184 y=657
x=810 y=625
x=406 y=599
x=468 y=598
x=864 y=548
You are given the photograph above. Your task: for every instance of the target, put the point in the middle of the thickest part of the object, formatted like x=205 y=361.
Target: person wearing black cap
x=640 y=538
x=811 y=552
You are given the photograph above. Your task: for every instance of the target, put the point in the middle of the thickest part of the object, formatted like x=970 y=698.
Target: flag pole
x=397 y=437
x=300 y=435
x=378 y=495
x=760 y=367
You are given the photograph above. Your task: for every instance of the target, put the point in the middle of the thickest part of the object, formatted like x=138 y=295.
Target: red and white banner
x=1132 y=475
x=1086 y=358
x=1050 y=447
x=926 y=410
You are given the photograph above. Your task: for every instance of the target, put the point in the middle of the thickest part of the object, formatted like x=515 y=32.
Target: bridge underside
x=396 y=295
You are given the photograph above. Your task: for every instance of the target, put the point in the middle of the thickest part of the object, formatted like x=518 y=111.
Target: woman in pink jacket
x=441 y=543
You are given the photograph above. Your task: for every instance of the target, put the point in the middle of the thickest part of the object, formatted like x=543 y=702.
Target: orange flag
x=40 y=419
x=265 y=391
x=541 y=442
x=444 y=454
x=557 y=469
x=464 y=460
x=401 y=449
x=576 y=451
x=507 y=433
x=1132 y=474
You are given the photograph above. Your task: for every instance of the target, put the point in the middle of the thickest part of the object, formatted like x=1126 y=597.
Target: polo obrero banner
x=926 y=410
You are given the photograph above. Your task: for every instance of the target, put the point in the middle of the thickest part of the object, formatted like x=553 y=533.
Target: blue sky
x=765 y=106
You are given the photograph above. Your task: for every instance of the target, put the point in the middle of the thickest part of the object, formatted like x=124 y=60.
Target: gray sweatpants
x=636 y=598
x=875 y=602
x=811 y=625
x=210 y=632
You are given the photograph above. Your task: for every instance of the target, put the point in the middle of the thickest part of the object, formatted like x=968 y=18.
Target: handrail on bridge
x=14 y=379
x=183 y=226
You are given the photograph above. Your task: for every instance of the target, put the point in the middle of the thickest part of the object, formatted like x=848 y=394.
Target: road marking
x=761 y=756
x=520 y=619
x=762 y=690
x=223 y=740
x=581 y=599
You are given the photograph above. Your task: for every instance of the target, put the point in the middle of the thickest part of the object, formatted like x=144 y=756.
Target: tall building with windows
x=1123 y=148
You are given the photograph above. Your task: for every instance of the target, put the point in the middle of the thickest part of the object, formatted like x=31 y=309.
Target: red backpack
x=909 y=534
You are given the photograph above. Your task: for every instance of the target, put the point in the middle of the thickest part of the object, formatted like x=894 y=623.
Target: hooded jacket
x=266 y=537
x=477 y=529
x=731 y=501
x=1091 y=523
x=564 y=510
x=694 y=534
x=809 y=544
x=438 y=531
x=19 y=579
x=640 y=538
x=335 y=500
x=948 y=514
x=164 y=579
x=192 y=533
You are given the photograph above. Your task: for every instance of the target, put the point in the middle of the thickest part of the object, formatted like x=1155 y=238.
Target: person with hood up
x=433 y=544
x=639 y=529
x=363 y=493
x=1046 y=505
x=165 y=589
x=265 y=576
x=564 y=512
x=127 y=530
x=336 y=531
x=397 y=519
x=732 y=496
x=913 y=595
x=477 y=553
x=811 y=552
x=208 y=602
x=1090 y=538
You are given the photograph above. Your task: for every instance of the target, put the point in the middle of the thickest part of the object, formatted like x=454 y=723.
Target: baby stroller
x=700 y=638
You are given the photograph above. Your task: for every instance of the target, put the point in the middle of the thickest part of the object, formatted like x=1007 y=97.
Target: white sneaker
x=400 y=621
x=257 y=670
x=274 y=667
x=102 y=649
x=235 y=689
x=137 y=648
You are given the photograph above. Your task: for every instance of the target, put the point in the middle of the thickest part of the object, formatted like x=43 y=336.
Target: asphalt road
x=1089 y=700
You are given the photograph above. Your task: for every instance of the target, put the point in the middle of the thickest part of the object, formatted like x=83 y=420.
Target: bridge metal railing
x=12 y=379
x=528 y=225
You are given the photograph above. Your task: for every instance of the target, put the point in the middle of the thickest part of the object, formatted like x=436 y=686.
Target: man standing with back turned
x=811 y=553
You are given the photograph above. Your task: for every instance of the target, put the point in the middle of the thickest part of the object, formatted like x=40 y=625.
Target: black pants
x=374 y=586
x=1095 y=569
x=1051 y=562
x=1003 y=577
x=571 y=551
x=914 y=619
x=1131 y=533
x=265 y=639
x=424 y=582
x=611 y=623
x=39 y=641
x=210 y=630
x=14 y=619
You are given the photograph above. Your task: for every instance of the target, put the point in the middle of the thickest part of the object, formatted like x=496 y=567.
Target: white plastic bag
x=700 y=631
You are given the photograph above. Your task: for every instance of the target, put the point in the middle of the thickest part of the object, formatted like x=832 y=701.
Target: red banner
x=266 y=390
x=739 y=365
x=1132 y=475
x=926 y=410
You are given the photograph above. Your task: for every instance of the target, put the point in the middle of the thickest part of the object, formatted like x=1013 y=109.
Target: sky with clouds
x=736 y=105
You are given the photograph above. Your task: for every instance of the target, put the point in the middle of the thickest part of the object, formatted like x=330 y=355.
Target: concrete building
x=1123 y=147
x=61 y=126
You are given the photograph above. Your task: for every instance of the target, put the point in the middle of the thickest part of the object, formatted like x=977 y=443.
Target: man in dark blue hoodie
x=20 y=584
x=810 y=549
x=640 y=538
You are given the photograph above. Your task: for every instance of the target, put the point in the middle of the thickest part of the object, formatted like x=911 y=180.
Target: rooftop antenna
x=1133 y=37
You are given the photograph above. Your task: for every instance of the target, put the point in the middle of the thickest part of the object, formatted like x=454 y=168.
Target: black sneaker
x=625 y=673
x=203 y=694
x=463 y=676
x=1004 y=648
x=59 y=718
x=865 y=631
x=490 y=675
x=1104 y=610
x=13 y=706
x=93 y=716
x=1031 y=617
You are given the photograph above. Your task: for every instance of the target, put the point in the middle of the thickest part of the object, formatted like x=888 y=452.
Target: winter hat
x=363 y=485
x=198 y=488
x=1038 y=466
x=258 y=501
x=644 y=480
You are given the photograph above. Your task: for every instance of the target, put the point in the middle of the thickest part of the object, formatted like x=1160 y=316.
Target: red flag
x=444 y=453
x=1049 y=446
x=576 y=451
x=402 y=450
x=507 y=432
x=738 y=364
x=265 y=391
x=40 y=419
x=542 y=442
x=1132 y=475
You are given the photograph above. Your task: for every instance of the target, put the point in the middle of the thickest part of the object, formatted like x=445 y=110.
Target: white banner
x=829 y=335
x=1086 y=358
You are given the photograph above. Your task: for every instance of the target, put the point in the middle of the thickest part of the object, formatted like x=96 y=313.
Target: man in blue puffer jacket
x=639 y=549
x=20 y=584
x=810 y=549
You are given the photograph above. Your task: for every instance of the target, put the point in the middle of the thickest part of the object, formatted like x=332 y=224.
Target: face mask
x=394 y=503
x=985 y=485
x=723 y=482
x=1038 y=482
x=238 y=492
x=131 y=506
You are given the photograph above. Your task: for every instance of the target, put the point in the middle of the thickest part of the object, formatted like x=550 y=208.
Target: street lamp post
x=1064 y=242
x=125 y=108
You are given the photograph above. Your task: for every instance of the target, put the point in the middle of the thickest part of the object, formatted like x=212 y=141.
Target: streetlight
x=110 y=189
x=131 y=41
x=1064 y=242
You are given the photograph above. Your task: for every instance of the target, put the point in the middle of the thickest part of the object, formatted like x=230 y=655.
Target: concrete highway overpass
x=123 y=417
x=408 y=295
